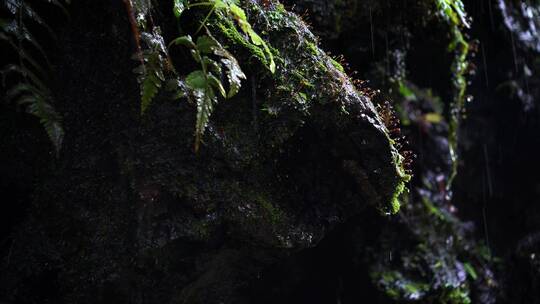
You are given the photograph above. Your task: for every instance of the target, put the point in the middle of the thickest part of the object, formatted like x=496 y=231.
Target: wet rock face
x=131 y=214
x=523 y=20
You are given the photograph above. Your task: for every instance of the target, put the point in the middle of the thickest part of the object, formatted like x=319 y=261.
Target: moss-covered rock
x=132 y=213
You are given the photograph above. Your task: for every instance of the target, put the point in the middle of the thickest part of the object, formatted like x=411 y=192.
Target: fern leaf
x=34 y=16
x=151 y=71
x=13 y=6
x=205 y=98
x=216 y=83
x=30 y=89
x=197 y=80
x=149 y=89
x=20 y=89
x=207 y=44
x=37 y=105
x=205 y=106
x=55 y=131
x=21 y=33
x=184 y=40
x=50 y=120
x=150 y=79
x=234 y=75
x=25 y=73
x=23 y=54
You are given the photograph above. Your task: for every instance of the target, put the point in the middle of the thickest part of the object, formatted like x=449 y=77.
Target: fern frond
x=30 y=89
x=35 y=17
x=205 y=98
x=153 y=66
x=150 y=78
x=24 y=73
x=48 y=117
x=149 y=89
x=20 y=32
x=202 y=83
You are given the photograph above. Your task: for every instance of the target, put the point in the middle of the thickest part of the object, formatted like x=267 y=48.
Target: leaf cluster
x=215 y=60
x=24 y=80
x=203 y=83
x=219 y=72
x=154 y=64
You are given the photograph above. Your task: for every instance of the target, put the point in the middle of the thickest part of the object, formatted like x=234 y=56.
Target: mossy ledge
x=310 y=87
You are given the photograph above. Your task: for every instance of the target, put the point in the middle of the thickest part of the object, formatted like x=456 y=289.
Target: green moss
x=229 y=30
x=337 y=65
x=395 y=203
x=401 y=187
x=453 y=12
x=322 y=67
x=456 y=296
x=397 y=287
x=313 y=49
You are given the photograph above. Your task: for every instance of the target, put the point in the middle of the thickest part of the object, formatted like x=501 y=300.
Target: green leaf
x=220 y=4
x=272 y=65
x=37 y=105
x=179 y=7
x=240 y=16
x=233 y=71
x=205 y=105
x=206 y=44
x=470 y=270
x=257 y=40
x=25 y=73
x=212 y=65
x=19 y=89
x=216 y=83
x=149 y=90
x=185 y=41
x=33 y=15
x=238 y=12
x=234 y=75
x=196 y=55
x=196 y=80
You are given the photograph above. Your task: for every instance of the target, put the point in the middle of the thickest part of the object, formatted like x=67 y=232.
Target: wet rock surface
x=130 y=213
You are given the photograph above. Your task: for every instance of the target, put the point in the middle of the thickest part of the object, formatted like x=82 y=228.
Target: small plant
x=393 y=124
x=215 y=60
x=151 y=71
x=203 y=83
x=25 y=80
x=453 y=12
x=228 y=9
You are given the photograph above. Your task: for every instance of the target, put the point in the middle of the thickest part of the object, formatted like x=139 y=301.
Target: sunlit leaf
x=185 y=41
x=179 y=7
x=216 y=83
x=196 y=80
x=234 y=76
x=206 y=45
